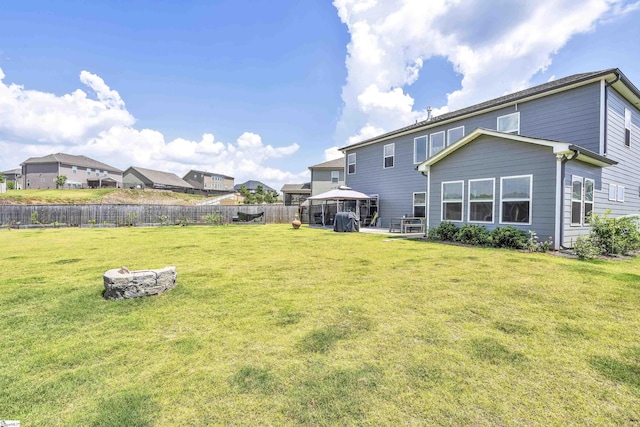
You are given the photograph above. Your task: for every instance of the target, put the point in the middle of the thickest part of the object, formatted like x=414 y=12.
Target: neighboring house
x=295 y=194
x=15 y=176
x=209 y=181
x=81 y=172
x=327 y=176
x=141 y=178
x=252 y=186
x=540 y=159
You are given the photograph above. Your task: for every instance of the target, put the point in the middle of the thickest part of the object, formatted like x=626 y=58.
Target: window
x=481 y=197
x=576 y=200
x=351 y=163
x=515 y=199
x=74 y=169
x=454 y=134
x=335 y=176
x=589 y=185
x=419 y=204
x=452 y=200
x=88 y=171
x=509 y=123
x=616 y=193
x=41 y=179
x=419 y=149
x=436 y=142
x=104 y=173
x=389 y=154
x=627 y=127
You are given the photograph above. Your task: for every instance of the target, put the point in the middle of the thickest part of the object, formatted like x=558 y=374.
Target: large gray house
x=326 y=176
x=540 y=159
x=81 y=172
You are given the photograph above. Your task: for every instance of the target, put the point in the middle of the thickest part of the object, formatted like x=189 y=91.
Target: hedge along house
x=540 y=159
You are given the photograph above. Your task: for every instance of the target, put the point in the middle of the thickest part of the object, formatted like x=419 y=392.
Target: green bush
x=508 y=237
x=614 y=235
x=585 y=248
x=444 y=231
x=533 y=245
x=472 y=234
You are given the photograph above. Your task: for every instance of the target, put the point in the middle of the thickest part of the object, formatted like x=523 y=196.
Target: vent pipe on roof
x=429 y=113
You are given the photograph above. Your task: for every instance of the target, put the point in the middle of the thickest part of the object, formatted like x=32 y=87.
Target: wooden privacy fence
x=77 y=215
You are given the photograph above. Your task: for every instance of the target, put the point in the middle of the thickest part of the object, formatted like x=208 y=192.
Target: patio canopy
x=340 y=193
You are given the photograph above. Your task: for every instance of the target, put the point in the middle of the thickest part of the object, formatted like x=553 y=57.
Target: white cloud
x=332 y=153
x=35 y=123
x=495 y=53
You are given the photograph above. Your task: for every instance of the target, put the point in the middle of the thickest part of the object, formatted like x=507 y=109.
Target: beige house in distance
x=327 y=176
x=209 y=181
x=40 y=173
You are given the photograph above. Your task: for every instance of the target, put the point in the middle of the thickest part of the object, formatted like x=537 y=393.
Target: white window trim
x=413 y=211
x=593 y=201
x=618 y=198
x=530 y=199
x=349 y=163
x=444 y=142
x=516 y=131
x=74 y=169
x=385 y=157
x=613 y=187
x=337 y=177
x=449 y=134
x=426 y=149
x=581 y=201
x=442 y=202
x=493 y=201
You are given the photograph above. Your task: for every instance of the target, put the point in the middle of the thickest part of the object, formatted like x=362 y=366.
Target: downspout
x=606 y=109
x=564 y=161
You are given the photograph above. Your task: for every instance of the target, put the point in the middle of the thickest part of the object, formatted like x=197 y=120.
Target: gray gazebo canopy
x=340 y=193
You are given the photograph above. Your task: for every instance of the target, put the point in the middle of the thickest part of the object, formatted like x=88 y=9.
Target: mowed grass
x=274 y=326
x=97 y=195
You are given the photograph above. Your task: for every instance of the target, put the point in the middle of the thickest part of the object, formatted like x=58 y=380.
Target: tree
x=60 y=181
x=11 y=185
x=249 y=198
x=2 y=178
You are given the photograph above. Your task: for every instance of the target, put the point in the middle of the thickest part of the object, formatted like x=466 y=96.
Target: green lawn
x=274 y=326
x=98 y=195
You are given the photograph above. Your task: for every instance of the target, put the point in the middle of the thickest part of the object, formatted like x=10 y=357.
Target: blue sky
x=262 y=90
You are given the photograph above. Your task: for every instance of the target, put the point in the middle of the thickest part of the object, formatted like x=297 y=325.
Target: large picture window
x=389 y=155
x=515 y=199
x=419 y=204
x=436 y=143
x=509 y=123
x=454 y=134
x=452 y=195
x=419 y=149
x=481 y=199
x=351 y=163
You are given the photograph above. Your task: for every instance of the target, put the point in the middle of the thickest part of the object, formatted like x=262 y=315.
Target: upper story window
x=74 y=169
x=351 y=163
x=452 y=194
x=509 y=123
x=515 y=199
x=335 y=176
x=88 y=171
x=104 y=173
x=419 y=149
x=454 y=134
x=481 y=197
x=389 y=155
x=436 y=143
x=627 y=127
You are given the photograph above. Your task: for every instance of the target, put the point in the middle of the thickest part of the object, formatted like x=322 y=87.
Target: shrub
x=214 y=218
x=472 y=234
x=533 y=245
x=585 y=248
x=508 y=237
x=11 y=185
x=444 y=231
x=614 y=235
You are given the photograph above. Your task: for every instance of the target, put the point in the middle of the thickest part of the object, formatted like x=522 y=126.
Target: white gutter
x=603 y=109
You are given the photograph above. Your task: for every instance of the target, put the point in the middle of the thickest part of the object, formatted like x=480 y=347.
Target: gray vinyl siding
x=489 y=157
x=321 y=180
x=572 y=116
x=132 y=179
x=36 y=171
x=627 y=171
x=571 y=232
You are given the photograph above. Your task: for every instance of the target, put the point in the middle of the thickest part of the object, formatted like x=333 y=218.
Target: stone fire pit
x=120 y=283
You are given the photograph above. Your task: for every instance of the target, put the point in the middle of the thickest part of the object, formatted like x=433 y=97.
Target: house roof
x=159 y=177
x=17 y=171
x=574 y=152
x=297 y=188
x=206 y=173
x=331 y=164
x=72 y=160
x=613 y=75
x=251 y=185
